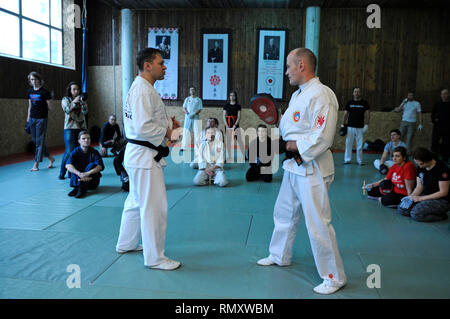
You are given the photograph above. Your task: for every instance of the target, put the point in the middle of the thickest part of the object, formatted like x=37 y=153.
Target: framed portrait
x=270 y=64
x=215 y=63
x=166 y=40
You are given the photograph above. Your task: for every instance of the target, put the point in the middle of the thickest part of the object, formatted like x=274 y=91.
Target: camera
x=84 y=96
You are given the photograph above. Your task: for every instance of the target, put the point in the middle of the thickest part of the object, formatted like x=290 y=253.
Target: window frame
x=50 y=28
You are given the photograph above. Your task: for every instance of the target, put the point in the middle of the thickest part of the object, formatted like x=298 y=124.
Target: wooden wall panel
x=243 y=23
x=410 y=52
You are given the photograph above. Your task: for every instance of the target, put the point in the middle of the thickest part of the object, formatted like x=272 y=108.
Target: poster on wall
x=166 y=40
x=215 y=65
x=271 y=62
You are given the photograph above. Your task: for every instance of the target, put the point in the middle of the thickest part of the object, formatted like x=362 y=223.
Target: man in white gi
x=211 y=160
x=145 y=121
x=192 y=107
x=308 y=127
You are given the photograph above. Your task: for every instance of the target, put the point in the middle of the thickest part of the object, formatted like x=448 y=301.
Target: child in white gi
x=211 y=160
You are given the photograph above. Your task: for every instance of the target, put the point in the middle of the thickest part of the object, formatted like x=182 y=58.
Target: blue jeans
x=70 y=142
x=38 y=129
x=92 y=184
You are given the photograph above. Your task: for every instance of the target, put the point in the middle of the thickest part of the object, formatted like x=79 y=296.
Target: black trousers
x=442 y=148
x=118 y=160
x=391 y=199
x=254 y=174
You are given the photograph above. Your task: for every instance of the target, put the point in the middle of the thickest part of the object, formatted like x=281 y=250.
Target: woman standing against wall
x=231 y=118
x=75 y=110
x=37 y=118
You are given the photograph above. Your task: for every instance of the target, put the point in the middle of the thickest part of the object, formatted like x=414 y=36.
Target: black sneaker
x=73 y=192
x=80 y=193
x=61 y=176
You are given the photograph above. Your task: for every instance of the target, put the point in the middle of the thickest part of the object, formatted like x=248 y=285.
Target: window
x=34 y=29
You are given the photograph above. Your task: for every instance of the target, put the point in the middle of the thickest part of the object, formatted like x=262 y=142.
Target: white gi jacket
x=310 y=120
x=192 y=105
x=211 y=154
x=145 y=119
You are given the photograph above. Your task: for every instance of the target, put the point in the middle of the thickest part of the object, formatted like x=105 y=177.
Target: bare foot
x=51 y=159
x=34 y=169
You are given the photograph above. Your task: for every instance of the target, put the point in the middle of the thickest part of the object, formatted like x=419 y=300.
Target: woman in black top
x=430 y=198
x=231 y=118
x=232 y=112
x=38 y=118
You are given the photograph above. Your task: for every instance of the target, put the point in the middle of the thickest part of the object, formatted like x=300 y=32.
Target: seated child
x=384 y=163
x=84 y=163
x=211 y=161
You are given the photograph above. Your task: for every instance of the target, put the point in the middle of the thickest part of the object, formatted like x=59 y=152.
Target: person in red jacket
x=398 y=183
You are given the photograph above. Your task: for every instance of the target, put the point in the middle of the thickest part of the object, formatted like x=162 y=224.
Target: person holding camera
x=75 y=109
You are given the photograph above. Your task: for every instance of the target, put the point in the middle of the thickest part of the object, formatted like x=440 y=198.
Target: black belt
x=163 y=151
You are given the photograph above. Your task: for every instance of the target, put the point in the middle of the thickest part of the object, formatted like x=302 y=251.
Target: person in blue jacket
x=85 y=163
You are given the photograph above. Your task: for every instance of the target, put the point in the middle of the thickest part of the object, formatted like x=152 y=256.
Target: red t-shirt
x=398 y=174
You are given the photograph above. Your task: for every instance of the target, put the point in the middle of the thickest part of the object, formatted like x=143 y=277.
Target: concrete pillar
x=127 y=53
x=312 y=30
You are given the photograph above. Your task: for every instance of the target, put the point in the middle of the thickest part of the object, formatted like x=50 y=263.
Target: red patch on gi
x=296 y=116
x=320 y=120
x=330 y=276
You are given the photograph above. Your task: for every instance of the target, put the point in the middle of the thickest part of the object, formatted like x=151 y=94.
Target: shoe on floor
x=80 y=193
x=265 y=262
x=61 y=176
x=361 y=164
x=168 y=264
x=326 y=288
x=73 y=192
x=346 y=163
x=138 y=248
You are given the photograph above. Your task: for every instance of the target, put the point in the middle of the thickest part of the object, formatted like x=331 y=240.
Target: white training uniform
x=310 y=120
x=211 y=154
x=192 y=105
x=217 y=136
x=145 y=209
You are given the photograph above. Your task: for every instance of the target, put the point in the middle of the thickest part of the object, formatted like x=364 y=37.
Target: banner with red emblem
x=166 y=40
x=215 y=66
x=270 y=64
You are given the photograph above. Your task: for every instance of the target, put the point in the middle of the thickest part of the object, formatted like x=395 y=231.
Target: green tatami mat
x=407 y=277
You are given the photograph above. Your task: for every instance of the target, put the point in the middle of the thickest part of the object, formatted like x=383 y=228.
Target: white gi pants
x=190 y=124
x=201 y=178
x=376 y=163
x=145 y=214
x=352 y=133
x=310 y=195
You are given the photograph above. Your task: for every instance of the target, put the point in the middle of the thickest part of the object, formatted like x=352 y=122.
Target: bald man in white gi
x=308 y=127
x=145 y=209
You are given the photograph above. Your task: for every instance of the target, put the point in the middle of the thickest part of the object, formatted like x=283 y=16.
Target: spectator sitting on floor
x=85 y=164
x=260 y=157
x=384 y=163
x=218 y=135
x=110 y=137
x=399 y=181
x=211 y=161
x=429 y=202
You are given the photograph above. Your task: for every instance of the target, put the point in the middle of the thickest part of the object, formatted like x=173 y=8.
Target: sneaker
x=346 y=163
x=361 y=164
x=61 y=176
x=168 y=264
x=373 y=197
x=265 y=262
x=138 y=248
x=80 y=193
x=73 y=192
x=326 y=288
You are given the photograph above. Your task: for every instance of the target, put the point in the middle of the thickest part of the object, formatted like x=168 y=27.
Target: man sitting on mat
x=85 y=164
x=211 y=160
